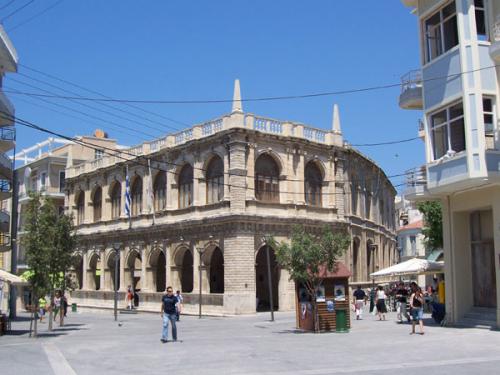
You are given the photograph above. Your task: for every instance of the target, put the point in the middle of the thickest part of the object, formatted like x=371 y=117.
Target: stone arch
x=79 y=268
x=274 y=155
x=370 y=258
x=136 y=196
x=80 y=207
x=115 y=195
x=267 y=175
x=213 y=260
x=356 y=242
x=110 y=264
x=133 y=268
x=261 y=279
x=94 y=272
x=96 y=197
x=157 y=264
x=214 y=177
x=183 y=266
x=313 y=183
x=185 y=185
x=160 y=191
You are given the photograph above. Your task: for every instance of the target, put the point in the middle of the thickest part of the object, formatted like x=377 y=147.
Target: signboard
x=330 y=306
x=339 y=291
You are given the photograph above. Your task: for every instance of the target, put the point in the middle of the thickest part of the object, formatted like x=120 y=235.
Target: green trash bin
x=73 y=307
x=341 y=321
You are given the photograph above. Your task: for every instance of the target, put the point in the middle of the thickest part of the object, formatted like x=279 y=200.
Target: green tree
x=433 y=224
x=49 y=242
x=307 y=254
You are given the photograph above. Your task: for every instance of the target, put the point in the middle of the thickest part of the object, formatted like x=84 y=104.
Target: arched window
x=186 y=186
x=160 y=191
x=80 y=208
x=136 y=192
x=215 y=180
x=267 y=179
x=312 y=185
x=116 y=200
x=97 y=203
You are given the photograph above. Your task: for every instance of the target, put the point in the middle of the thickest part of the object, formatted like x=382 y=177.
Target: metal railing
x=4 y=186
x=411 y=80
x=416 y=177
x=421 y=126
x=5 y=160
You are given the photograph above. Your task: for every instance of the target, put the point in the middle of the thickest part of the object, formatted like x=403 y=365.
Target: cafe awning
x=11 y=278
x=414 y=266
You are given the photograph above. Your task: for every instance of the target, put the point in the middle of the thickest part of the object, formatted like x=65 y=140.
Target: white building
x=457 y=88
x=8 y=64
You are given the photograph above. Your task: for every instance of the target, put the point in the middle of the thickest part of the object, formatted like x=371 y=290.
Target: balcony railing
x=411 y=80
x=4 y=186
x=416 y=177
x=8 y=133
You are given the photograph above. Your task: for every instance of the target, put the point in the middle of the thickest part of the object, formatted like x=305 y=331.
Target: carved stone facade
x=218 y=193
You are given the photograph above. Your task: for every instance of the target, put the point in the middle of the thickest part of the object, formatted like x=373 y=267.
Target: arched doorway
x=217 y=271
x=134 y=270
x=261 y=279
x=370 y=259
x=112 y=271
x=94 y=273
x=160 y=279
x=187 y=272
x=79 y=269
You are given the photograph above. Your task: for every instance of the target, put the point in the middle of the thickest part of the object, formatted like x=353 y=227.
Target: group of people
x=58 y=305
x=412 y=299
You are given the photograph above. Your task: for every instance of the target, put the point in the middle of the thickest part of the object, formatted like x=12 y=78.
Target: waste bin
x=73 y=307
x=341 y=321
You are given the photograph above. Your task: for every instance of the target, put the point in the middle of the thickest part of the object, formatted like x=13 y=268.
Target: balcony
x=8 y=53
x=416 y=182
x=7 y=138
x=421 y=130
x=5 y=191
x=6 y=110
x=5 y=167
x=411 y=90
x=495 y=40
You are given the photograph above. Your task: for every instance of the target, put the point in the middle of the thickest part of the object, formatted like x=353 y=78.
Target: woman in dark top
x=417 y=308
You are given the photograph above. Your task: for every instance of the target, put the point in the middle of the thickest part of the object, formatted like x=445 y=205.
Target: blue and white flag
x=127 y=195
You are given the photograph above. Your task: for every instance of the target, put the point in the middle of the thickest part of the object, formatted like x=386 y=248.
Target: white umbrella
x=414 y=266
x=12 y=279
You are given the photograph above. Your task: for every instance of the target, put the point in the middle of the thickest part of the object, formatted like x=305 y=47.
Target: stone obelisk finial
x=336 y=120
x=237 y=106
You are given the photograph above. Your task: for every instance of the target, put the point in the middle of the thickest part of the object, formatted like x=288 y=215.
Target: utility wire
x=137 y=158
x=84 y=104
x=270 y=98
x=103 y=96
x=43 y=11
x=6 y=5
x=16 y=11
x=384 y=143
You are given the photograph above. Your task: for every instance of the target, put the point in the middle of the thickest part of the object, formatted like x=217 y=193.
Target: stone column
x=145 y=285
x=102 y=270
x=250 y=166
x=172 y=192
x=88 y=206
x=198 y=176
x=238 y=173
x=226 y=175
x=122 y=269
x=299 y=179
x=290 y=173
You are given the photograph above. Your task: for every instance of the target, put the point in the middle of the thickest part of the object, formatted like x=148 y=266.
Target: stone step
x=128 y=311
x=481 y=315
x=475 y=323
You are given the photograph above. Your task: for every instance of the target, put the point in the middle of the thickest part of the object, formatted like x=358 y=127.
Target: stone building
x=202 y=200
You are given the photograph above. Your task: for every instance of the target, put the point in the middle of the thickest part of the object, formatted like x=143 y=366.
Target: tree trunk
x=51 y=309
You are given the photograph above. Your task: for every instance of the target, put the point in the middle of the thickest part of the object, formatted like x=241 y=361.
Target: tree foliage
x=433 y=224
x=49 y=243
x=308 y=254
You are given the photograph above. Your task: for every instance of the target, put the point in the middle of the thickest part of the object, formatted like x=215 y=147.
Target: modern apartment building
x=202 y=200
x=457 y=88
x=41 y=168
x=8 y=64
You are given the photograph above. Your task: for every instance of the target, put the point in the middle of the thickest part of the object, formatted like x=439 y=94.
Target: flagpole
x=151 y=192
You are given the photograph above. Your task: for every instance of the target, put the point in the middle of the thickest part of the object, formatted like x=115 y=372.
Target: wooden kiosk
x=332 y=300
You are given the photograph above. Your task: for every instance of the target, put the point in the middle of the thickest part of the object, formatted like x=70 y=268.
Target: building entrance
x=483 y=259
x=261 y=279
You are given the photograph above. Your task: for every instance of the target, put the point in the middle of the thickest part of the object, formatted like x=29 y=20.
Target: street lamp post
x=116 y=247
x=269 y=281
x=200 y=251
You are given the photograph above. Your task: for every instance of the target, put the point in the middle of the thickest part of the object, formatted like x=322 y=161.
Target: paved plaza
x=92 y=343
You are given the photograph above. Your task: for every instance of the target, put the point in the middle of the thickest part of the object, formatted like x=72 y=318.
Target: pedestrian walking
x=168 y=312
x=64 y=304
x=417 y=308
x=359 y=302
x=42 y=306
x=180 y=299
x=129 y=298
x=380 y=303
x=57 y=304
x=401 y=301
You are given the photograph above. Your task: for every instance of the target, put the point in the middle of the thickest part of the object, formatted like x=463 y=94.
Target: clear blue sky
x=195 y=49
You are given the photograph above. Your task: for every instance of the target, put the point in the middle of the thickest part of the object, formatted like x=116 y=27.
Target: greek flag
x=127 y=195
